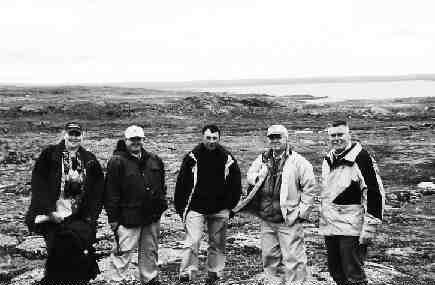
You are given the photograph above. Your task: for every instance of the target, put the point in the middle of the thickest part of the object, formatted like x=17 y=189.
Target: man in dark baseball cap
x=73 y=126
x=67 y=187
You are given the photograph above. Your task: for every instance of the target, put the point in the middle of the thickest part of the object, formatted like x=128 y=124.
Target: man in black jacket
x=67 y=187
x=135 y=198
x=208 y=187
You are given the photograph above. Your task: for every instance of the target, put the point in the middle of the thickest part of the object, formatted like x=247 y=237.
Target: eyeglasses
x=274 y=137
x=74 y=133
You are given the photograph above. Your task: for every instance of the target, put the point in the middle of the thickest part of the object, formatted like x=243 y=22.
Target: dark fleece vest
x=270 y=209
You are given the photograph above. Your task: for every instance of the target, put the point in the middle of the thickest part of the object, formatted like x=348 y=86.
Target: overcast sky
x=105 y=41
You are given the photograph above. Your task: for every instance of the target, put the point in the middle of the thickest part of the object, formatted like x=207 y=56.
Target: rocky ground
x=400 y=133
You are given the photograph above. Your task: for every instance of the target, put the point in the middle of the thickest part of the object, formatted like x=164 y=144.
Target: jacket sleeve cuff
x=304 y=211
x=113 y=217
x=370 y=225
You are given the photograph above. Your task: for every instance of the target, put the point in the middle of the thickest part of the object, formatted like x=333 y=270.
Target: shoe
x=184 y=278
x=212 y=279
x=153 y=281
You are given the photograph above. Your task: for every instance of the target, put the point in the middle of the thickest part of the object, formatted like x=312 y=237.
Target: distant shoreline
x=233 y=82
x=277 y=81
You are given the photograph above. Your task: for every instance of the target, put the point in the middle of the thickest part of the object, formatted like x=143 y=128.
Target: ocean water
x=338 y=91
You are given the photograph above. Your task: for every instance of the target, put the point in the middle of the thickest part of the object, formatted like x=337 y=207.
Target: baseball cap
x=134 y=132
x=73 y=126
x=277 y=130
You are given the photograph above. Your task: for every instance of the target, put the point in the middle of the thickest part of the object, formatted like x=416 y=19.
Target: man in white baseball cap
x=277 y=130
x=135 y=198
x=282 y=196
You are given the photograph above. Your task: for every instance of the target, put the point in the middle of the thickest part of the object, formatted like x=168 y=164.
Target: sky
x=59 y=41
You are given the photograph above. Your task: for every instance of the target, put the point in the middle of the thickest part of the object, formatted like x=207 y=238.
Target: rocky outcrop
x=33 y=247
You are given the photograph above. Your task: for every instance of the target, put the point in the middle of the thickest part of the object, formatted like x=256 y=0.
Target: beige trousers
x=283 y=253
x=145 y=239
x=216 y=227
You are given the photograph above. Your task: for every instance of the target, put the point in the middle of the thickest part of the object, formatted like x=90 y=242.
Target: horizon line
x=235 y=82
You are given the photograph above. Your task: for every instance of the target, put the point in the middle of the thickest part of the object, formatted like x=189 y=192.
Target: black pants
x=346 y=259
x=48 y=231
x=66 y=263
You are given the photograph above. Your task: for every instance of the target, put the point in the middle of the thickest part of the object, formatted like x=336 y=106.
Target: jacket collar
x=60 y=148
x=269 y=154
x=348 y=157
x=201 y=147
x=121 y=150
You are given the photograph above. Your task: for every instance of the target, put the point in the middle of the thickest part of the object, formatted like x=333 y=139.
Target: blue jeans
x=216 y=226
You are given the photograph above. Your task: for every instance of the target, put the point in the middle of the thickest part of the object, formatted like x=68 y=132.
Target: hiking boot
x=212 y=279
x=184 y=278
x=154 y=281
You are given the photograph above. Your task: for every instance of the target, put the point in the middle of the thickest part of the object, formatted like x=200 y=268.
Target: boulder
x=7 y=242
x=405 y=251
x=33 y=247
x=426 y=185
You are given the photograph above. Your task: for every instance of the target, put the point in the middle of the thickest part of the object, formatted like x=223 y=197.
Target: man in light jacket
x=352 y=204
x=282 y=194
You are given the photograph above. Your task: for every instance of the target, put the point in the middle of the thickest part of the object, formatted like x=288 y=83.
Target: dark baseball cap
x=73 y=126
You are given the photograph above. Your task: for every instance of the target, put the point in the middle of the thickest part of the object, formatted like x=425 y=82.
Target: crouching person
x=282 y=185
x=135 y=198
x=66 y=200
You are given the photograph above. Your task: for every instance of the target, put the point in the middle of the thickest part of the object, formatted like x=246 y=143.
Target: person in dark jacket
x=67 y=186
x=208 y=187
x=135 y=199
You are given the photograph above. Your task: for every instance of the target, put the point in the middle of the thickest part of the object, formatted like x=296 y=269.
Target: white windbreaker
x=298 y=186
x=352 y=196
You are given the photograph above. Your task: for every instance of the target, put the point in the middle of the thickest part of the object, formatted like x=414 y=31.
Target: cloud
x=99 y=40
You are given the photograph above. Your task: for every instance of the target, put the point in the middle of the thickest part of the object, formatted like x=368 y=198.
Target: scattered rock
x=405 y=251
x=248 y=243
x=7 y=242
x=381 y=273
x=33 y=247
x=29 y=277
x=32 y=109
x=376 y=274
x=379 y=111
x=426 y=185
x=305 y=131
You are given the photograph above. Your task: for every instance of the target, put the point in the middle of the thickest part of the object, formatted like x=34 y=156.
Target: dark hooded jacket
x=46 y=183
x=201 y=190
x=135 y=190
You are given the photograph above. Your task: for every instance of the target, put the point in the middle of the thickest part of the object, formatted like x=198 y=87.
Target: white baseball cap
x=134 y=132
x=277 y=130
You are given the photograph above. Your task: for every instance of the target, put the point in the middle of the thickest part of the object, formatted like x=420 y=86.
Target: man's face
x=277 y=142
x=134 y=145
x=339 y=137
x=73 y=138
x=210 y=140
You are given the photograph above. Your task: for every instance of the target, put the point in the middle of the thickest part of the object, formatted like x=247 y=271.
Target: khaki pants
x=283 y=253
x=216 y=227
x=145 y=239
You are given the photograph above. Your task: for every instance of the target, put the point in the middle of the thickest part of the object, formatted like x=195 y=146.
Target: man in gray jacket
x=282 y=192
